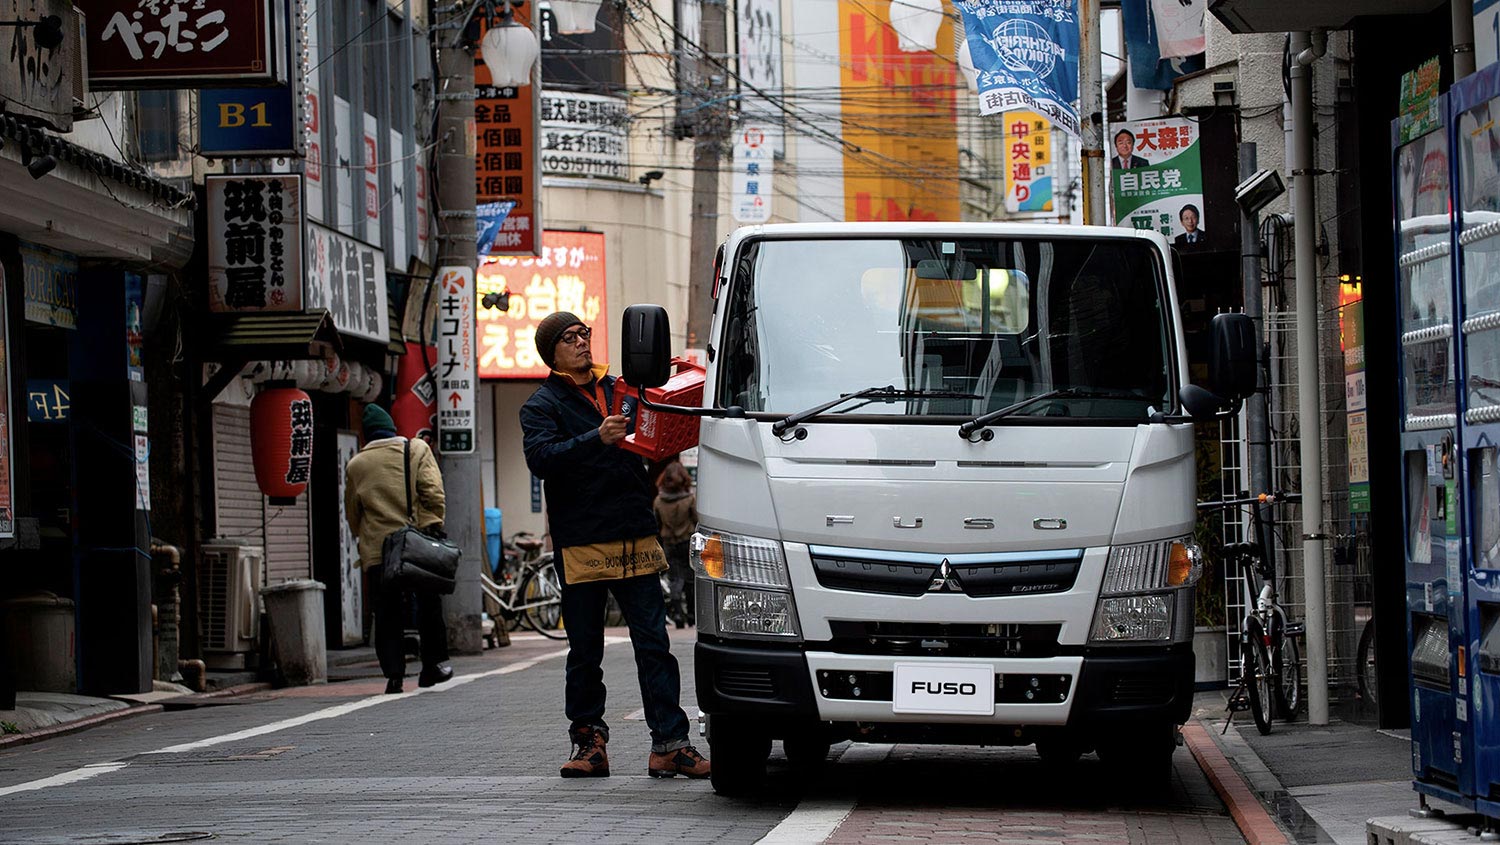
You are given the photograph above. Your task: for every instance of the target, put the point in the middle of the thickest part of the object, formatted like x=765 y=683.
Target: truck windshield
x=1000 y=319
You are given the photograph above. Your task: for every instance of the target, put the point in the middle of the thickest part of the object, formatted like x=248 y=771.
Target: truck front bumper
x=1100 y=687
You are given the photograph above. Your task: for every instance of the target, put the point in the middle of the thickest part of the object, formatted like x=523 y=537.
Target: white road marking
x=90 y=771
x=95 y=769
x=815 y=820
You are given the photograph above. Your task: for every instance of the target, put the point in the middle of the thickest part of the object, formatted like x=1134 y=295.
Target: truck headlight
x=1161 y=565
x=752 y=561
x=765 y=613
x=1133 y=619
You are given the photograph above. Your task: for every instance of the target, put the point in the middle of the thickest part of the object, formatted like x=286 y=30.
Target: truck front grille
x=940 y=639
x=746 y=683
x=1010 y=574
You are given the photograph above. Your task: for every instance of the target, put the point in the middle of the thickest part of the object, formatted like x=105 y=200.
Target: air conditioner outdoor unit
x=229 y=582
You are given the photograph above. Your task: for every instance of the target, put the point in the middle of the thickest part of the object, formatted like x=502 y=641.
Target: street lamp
x=916 y=23
x=575 y=17
x=509 y=50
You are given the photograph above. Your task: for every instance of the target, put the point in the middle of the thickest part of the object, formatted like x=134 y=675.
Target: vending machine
x=1475 y=117
x=1432 y=489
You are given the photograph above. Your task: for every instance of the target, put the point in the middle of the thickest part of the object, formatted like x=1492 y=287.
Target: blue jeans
x=661 y=685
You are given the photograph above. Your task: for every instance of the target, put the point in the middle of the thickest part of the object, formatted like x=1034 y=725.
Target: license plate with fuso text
x=966 y=689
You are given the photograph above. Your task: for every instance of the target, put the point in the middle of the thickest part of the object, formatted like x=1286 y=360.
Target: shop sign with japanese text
x=569 y=276
x=754 y=159
x=347 y=277
x=183 y=43
x=1028 y=162
x=1156 y=179
x=7 y=498
x=455 y=360
x=36 y=83
x=585 y=135
x=51 y=286
x=255 y=242
x=507 y=164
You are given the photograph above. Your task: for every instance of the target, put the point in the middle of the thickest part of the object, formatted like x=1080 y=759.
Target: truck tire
x=807 y=749
x=1060 y=750
x=1141 y=755
x=737 y=752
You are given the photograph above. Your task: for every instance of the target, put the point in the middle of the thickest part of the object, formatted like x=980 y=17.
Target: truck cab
x=946 y=486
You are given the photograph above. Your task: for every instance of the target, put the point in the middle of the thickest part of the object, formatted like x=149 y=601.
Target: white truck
x=946 y=490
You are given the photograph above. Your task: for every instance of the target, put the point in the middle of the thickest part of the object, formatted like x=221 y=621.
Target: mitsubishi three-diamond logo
x=943 y=581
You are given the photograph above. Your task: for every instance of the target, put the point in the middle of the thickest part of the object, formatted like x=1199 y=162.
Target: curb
x=77 y=725
x=239 y=689
x=1255 y=824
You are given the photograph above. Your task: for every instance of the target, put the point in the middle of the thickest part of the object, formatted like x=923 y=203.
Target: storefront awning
x=1246 y=16
x=271 y=336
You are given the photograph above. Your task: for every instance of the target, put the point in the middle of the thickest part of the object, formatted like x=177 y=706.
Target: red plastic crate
x=658 y=434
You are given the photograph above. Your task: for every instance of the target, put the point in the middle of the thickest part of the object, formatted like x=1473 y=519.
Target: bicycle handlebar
x=1262 y=499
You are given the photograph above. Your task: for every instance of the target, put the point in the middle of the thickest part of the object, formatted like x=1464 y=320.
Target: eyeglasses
x=572 y=337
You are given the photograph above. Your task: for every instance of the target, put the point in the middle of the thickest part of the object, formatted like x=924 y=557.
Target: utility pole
x=1091 y=113
x=456 y=248
x=711 y=129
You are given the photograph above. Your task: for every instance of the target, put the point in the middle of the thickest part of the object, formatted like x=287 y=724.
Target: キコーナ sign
x=184 y=44
x=569 y=276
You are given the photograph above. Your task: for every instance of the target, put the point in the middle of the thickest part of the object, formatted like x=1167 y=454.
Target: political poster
x=1156 y=179
x=1025 y=55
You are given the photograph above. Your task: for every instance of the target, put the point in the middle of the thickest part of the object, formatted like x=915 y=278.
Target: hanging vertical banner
x=1179 y=27
x=1026 y=56
x=754 y=158
x=1156 y=179
x=1148 y=69
x=312 y=170
x=1028 y=160
x=759 y=31
x=398 y=254
x=254 y=242
x=569 y=276
x=372 y=179
x=351 y=622
x=507 y=164
x=343 y=164
x=1352 y=342
x=7 y=507
x=455 y=360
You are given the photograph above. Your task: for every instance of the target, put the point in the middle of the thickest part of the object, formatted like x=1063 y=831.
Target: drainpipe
x=1462 y=14
x=1307 y=47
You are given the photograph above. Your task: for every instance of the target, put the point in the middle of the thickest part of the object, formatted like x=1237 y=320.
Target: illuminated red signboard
x=569 y=276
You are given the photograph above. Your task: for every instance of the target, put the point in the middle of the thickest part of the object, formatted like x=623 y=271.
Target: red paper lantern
x=281 y=435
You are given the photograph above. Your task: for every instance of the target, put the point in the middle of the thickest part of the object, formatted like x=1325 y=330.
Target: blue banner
x=489 y=216
x=246 y=121
x=1026 y=55
x=1147 y=68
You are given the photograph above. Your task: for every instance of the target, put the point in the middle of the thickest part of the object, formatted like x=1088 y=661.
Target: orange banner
x=505 y=163
x=899 y=114
x=569 y=276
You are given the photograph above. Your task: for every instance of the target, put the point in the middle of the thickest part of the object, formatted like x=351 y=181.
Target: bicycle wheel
x=1288 y=679
x=1369 y=688
x=541 y=600
x=1255 y=667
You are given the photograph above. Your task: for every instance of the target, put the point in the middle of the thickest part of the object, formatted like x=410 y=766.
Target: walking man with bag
x=599 y=509
x=393 y=483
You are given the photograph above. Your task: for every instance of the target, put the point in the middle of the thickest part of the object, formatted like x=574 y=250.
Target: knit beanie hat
x=550 y=329
x=376 y=420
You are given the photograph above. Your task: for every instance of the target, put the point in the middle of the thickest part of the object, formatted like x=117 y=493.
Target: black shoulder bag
x=413 y=560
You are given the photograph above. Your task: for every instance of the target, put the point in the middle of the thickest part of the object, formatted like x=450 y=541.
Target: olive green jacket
x=374 y=501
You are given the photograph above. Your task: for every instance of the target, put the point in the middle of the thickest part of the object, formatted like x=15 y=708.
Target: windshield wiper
x=887 y=391
x=982 y=421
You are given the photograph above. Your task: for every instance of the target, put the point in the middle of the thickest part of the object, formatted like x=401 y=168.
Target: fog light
x=756 y=612
x=1131 y=618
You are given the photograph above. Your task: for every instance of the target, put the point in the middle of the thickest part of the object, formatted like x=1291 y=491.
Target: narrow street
x=476 y=760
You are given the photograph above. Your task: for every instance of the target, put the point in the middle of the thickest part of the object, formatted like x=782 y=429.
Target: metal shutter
x=288 y=541
x=238 y=506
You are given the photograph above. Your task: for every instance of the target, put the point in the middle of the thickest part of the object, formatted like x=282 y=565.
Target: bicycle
x=1270 y=658
x=528 y=591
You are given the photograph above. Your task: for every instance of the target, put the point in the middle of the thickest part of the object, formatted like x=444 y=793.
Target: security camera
x=1256 y=193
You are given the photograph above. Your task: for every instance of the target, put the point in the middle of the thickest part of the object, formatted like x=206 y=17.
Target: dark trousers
x=641 y=602
x=390 y=627
x=680 y=581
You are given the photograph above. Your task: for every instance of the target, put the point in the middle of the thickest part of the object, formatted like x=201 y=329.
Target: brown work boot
x=684 y=761
x=589 y=759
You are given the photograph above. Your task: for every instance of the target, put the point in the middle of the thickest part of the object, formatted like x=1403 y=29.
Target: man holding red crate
x=599 y=509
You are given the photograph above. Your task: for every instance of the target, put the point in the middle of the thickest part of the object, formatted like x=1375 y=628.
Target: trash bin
x=38 y=640
x=492 y=536
x=299 y=644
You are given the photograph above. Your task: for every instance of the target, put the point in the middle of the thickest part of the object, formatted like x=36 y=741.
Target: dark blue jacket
x=595 y=493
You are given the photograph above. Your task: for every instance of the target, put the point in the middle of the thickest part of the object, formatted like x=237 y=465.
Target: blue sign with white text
x=47 y=401
x=1026 y=55
x=246 y=121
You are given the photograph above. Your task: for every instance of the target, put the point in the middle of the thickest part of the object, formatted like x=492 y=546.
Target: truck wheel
x=1059 y=751
x=807 y=749
x=737 y=752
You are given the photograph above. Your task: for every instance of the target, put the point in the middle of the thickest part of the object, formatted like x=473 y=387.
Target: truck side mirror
x=646 y=349
x=1233 y=368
